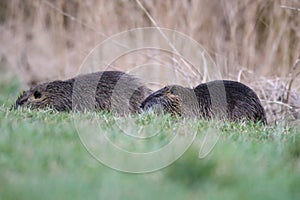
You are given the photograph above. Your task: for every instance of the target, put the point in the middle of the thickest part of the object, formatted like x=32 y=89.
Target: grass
x=42 y=157
x=41 y=154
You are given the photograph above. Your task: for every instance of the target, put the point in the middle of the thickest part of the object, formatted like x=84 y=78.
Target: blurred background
x=256 y=42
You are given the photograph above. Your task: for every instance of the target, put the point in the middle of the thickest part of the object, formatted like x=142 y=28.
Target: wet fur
x=109 y=90
x=216 y=99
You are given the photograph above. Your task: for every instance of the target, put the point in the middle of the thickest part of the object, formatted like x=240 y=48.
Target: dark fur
x=220 y=99
x=109 y=90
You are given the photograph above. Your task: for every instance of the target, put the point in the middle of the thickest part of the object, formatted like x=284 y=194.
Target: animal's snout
x=23 y=98
x=18 y=103
x=152 y=106
x=21 y=101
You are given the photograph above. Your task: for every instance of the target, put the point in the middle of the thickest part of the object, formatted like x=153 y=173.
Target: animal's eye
x=37 y=95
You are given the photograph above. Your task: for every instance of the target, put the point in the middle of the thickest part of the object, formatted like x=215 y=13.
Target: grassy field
x=41 y=152
x=42 y=157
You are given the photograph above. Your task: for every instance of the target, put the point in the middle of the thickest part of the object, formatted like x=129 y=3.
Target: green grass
x=42 y=157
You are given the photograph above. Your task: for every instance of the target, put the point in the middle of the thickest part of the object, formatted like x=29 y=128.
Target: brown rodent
x=222 y=99
x=109 y=90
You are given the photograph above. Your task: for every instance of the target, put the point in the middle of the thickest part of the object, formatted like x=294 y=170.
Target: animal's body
x=222 y=99
x=108 y=90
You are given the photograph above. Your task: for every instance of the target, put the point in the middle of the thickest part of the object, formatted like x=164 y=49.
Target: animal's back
x=232 y=98
x=110 y=90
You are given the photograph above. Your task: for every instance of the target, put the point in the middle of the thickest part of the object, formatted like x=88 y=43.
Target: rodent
x=108 y=90
x=221 y=99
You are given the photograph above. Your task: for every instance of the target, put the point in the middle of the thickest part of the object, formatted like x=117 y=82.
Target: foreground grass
x=42 y=157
